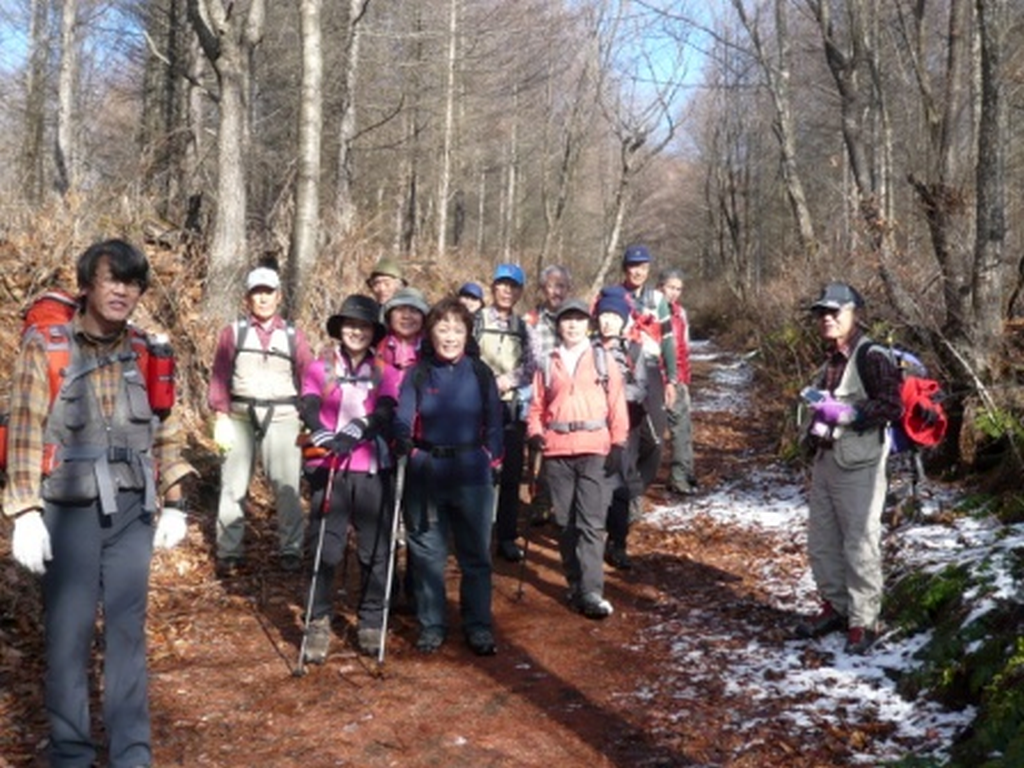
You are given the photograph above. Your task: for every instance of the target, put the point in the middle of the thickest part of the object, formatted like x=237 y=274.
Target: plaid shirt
x=881 y=382
x=30 y=408
x=540 y=323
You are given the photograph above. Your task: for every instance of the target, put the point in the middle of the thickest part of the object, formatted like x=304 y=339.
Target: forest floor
x=562 y=690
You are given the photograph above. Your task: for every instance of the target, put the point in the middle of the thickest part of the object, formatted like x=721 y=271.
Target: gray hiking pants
x=844 y=536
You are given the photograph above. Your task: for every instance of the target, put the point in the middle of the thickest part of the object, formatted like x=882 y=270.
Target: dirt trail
x=562 y=691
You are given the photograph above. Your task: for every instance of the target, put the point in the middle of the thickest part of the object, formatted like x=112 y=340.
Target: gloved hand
x=402 y=446
x=171 y=528
x=495 y=474
x=613 y=461
x=321 y=438
x=536 y=443
x=30 y=543
x=223 y=433
x=834 y=412
x=348 y=437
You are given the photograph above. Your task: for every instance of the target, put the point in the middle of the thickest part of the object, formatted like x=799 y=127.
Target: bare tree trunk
x=306 y=227
x=989 y=248
x=344 y=204
x=508 y=221
x=777 y=75
x=228 y=42
x=65 y=151
x=32 y=151
x=445 y=172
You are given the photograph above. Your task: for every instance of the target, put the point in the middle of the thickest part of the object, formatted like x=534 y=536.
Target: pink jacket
x=575 y=414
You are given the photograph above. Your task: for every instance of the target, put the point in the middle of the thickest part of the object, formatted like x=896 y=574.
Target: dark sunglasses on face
x=820 y=312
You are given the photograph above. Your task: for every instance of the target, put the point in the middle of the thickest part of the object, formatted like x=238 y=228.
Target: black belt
x=446 y=451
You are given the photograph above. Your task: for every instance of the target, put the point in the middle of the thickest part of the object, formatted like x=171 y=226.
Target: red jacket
x=574 y=413
x=682 y=333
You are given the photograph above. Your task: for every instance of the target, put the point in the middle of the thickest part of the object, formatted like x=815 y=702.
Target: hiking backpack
x=924 y=421
x=600 y=365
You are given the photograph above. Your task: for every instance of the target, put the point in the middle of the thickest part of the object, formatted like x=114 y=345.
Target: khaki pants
x=844 y=536
x=282 y=463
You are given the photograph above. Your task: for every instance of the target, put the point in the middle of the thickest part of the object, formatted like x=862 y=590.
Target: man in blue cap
x=652 y=321
x=505 y=346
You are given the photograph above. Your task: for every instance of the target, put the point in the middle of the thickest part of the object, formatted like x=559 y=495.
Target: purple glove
x=834 y=412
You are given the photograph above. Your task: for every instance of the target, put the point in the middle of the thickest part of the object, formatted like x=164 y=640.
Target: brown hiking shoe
x=828 y=620
x=859 y=640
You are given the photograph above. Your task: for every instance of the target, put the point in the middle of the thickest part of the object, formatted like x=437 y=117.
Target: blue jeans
x=431 y=513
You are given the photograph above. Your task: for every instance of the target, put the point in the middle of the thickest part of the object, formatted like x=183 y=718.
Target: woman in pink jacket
x=348 y=401
x=578 y=419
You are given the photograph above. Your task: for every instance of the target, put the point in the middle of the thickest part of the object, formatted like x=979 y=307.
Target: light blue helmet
x=511 y=272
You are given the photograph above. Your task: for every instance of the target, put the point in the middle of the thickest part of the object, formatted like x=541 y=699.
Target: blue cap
x=472 y=290
x=511 y=272
x=636 y=254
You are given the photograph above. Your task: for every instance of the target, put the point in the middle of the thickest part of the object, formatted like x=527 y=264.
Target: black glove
x=496 y=474
x=613 y=461
x=321 y=438
x=402 y=446
x=348 y=437
x=536 y=443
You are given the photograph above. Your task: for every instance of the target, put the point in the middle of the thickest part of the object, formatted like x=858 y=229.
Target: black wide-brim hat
x=357 y=307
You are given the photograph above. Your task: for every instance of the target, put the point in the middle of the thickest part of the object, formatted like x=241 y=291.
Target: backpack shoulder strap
x=601 y=364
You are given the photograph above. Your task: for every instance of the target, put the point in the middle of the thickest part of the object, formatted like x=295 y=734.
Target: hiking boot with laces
x=859 y=640
x=481 y=642
x=318 y=640
x=593 y=606
x=369 y=639
x=827 y=620
x=510 y=551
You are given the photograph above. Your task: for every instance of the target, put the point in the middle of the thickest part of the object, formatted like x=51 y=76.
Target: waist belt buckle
x=442 y=452
x=118 y=454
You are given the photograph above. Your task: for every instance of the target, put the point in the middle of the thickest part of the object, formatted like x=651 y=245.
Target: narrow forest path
x=695 y=668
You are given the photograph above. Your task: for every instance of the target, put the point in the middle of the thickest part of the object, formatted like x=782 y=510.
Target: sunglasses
x=820 y=312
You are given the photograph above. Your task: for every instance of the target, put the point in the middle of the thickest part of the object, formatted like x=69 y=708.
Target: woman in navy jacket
x=449 y=420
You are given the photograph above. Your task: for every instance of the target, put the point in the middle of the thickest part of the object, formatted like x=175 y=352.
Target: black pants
x=506 y=525
x=103 y=560
x=357 y=499
x=629 y=486
x=652 y=431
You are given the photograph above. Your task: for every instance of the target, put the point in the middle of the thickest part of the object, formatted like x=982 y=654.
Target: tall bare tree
x=344 y=203
x=66 y=151
x=32 y=152
x=306 y=226
x=229 y=35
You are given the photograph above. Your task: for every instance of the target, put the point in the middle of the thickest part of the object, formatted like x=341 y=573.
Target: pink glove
x=834 y=412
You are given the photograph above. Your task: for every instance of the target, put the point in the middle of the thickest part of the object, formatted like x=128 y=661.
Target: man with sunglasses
x=852 y=399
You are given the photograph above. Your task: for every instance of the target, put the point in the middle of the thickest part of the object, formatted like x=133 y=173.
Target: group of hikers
x=436 y=412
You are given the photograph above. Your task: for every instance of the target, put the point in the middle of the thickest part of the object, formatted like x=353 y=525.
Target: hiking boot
x=636 y=509
x=430 y=640
x=541 y=517
x=229 y=566
x=318 y=640
x=510 y=551
x=369 y=639
x=593 y=606
x=481 y=642
x=828 y=620
x=616 y=557
x=290 y=563
x=859 y=640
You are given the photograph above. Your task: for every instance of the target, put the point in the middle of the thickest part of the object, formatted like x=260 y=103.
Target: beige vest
x=264 y=374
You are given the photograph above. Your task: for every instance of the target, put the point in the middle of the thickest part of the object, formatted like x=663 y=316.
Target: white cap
x=262 y=277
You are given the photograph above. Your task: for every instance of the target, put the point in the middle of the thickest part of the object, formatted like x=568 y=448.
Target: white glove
x=31 y=542
x=171 y=528
x=224 y=433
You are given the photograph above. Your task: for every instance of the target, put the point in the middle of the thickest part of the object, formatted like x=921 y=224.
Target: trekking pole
x=535 y=461
x=392 y=554
x=300 y=664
